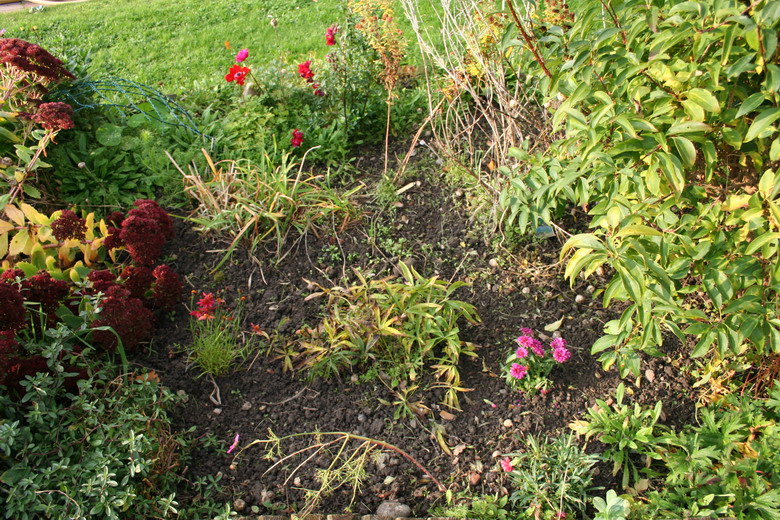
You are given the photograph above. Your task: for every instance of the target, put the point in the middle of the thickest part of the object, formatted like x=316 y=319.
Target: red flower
x=69 y=225
x=54 y=116
x=144 y=231
x=127 y=316
x=304 y=71
x=167 y=287
x=101 y=280
x=137 y=280
x=12 y=313
x=317 y=91
x=297 y=138
x=330 y=35
x=237 y=73
x=207 y=305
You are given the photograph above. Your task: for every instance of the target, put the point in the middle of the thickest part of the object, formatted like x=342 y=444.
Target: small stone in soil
x=217 y=411
x=393 y=509
x=579 y=298
x=507 y=423
x=246 y=406
x=239 y=505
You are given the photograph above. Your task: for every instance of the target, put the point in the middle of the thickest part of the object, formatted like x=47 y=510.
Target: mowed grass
x=170 y=44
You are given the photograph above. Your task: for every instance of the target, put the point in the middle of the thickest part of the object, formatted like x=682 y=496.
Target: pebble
x=590 y=289
x=217 y=411
x=493 y=262
x=474 y=478
x=579 y=298
x=246 y=406
x=393 y=509
x=526 y=290
x=507 y=423
x=239 y=505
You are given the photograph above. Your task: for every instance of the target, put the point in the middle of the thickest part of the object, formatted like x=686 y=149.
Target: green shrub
x=728 y=465
x=666 y=113
x=392 y=326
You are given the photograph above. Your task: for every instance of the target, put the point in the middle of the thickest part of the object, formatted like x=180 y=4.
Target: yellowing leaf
x=5 y=227
x=3 y=245
x=18 y=242
x=735 y=202
x=15 y=214
x=33 y=215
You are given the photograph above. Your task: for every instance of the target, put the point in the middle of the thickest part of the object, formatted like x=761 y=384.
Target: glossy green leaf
x=761 y=123
x=686 y=150
x=705 y=99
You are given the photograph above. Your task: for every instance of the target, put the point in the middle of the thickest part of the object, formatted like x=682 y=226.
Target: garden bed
x=431 y=231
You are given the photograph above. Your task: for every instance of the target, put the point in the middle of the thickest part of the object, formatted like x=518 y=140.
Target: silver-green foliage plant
x=551 y=478
x=613 y=508
x=93 y=452
x=630 y=433
x=667 y=114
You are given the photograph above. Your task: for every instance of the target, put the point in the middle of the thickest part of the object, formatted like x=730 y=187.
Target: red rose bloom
x=297 y=138
x=237 y=73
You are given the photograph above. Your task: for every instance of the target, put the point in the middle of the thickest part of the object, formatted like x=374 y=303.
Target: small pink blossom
x=330 y=35
x=242 y=55
x=525 y=331
x=518 y=371
x=234 y=445
x=521 y=352
x=561 y=355
x=506 y=464
x=558 y=343
x=297 y=138
x=532 y=343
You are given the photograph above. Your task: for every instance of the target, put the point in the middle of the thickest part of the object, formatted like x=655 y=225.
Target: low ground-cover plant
x=727 y=465
x=528 y=367
x=403 y=328
x=98 y=449
x=551 y=478
x=631 y=434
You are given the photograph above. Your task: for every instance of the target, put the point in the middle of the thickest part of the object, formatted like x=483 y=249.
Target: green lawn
x=170 y=45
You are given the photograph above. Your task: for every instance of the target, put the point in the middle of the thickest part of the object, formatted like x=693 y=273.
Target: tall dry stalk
x=489 y=107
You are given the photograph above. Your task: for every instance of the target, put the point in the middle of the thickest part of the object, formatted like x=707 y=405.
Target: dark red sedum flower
x=69 y=225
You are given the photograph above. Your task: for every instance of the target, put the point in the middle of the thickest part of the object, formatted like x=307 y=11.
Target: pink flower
x=558 y=343
x=242 y=55
x=561 y=355
x=330 y=35
x=234 y=445
x=521 y=352
x=506 y=464
x=531 y=343
x=297 y=138
x=518 y=371
x=526 y=331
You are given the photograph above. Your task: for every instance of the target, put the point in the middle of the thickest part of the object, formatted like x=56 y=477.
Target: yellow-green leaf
x=763 y=121
x=18 y=242
x=33 y=215
x=735 y=202
x=761 y=241
x=3 y=245
x=705 y=99
x=640 y=230
x=686 y=150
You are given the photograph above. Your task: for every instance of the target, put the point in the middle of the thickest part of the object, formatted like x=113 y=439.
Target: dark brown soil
x=431 y=230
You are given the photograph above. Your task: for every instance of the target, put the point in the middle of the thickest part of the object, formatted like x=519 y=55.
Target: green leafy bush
x=728 y=465
x=392 y=326
x=666 y=112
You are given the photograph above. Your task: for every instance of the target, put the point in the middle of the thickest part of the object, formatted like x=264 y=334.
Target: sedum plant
x=399 y=327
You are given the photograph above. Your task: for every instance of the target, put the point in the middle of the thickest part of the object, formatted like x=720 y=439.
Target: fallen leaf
x=447 y=416
x=552 y=327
